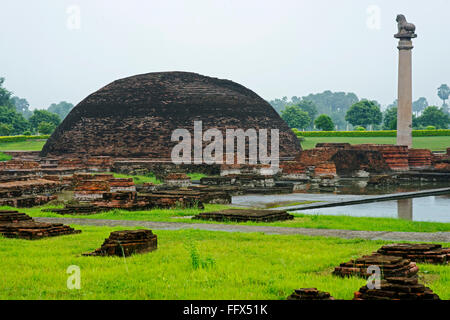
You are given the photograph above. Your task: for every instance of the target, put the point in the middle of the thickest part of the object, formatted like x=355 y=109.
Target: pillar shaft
x=404 y=109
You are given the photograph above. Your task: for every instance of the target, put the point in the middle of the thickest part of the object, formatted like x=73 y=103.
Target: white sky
x=276 y=48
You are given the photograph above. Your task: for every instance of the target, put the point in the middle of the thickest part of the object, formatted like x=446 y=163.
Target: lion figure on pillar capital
x=404 y=27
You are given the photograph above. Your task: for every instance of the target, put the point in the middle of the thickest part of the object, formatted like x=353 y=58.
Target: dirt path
x=346 y=234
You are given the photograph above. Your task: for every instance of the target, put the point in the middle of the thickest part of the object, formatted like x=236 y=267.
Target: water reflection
x=405 y=209
x=433 y=208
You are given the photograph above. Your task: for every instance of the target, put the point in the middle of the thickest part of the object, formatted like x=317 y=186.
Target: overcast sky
x=276 y=48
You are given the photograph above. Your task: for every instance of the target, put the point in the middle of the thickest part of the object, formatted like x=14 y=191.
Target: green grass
x=138 y=179
x=4 y=157
x=29 y=145
x=196 y=176
x=432 y=143
x=190 y=265
x=300 y=220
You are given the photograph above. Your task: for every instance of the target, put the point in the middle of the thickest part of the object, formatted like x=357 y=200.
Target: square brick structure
x=390 y=266
x=397 y=288
x=241 y=215
x=126 y=243
x=19 y=225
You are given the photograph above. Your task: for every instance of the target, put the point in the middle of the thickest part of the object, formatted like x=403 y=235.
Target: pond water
x=434 y=209
x=430 y=208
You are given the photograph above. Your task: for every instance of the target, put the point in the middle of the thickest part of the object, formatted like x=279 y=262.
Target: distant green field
x=29 y=145
x=433 y=143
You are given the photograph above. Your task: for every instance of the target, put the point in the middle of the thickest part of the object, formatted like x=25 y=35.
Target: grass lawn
x=432 y=143
x=29 y=145
x=191 y=265
x=300 y=220
x=4 y=157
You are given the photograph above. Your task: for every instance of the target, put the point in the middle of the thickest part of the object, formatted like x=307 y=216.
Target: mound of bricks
x=390 y=266
x=19 y=225
x=418 y=252
x=13 y=217
x=397 y=288
x=310 y=294
x=126 y=243
x=241 y=215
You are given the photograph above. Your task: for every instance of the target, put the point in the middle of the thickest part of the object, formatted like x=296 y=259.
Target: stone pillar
x=405 y=209
x=404 y=108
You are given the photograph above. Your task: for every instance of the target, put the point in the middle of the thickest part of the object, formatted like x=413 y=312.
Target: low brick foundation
x=390 y=266
x=241 y=215
x=428 y=253
x=126 y=243
x=19 y=225
x=310 y=294
x=397 y=288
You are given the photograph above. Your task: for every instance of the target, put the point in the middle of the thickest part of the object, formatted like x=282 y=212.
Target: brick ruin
x=308 y=294
x=390 y=266
x=244 y=215
x=104 y=124
x=19 y=225
x=397 y=288
x=418 y=252
x=103 y=192
x=127 y=242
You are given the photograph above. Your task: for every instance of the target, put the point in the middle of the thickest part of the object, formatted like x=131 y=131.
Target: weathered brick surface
x=19 y=225
x=135 y=116
x=242 y=215
x=429 y=253
x=310 y=294
x=419 y=158
x=390 y=266
x=396 y=157
x=126 y=243
x=397 y=288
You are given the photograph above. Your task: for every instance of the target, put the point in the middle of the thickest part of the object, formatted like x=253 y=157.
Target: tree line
x=16 y=118
x=330 y=111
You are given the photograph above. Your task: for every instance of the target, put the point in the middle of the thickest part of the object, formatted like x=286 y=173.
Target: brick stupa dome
x=134 y=117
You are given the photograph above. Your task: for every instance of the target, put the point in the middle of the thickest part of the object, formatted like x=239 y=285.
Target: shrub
x=381 y=133
x=431 y=128
x=324 y=123
x=21 y=138
x=360 y=128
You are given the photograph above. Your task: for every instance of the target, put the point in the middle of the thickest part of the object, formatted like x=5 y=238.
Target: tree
x=444 y=93
x=46 y=127
x=393 y=104
x=43 y=116
x=22 y=106
x=62 y=109
x=364 y=113
x=390 y=119
x=5 y=129
x=5 y=95
x=324 y=123
x=16 y=121
x=279 y=104
x=434 y=116
x=309 y=107
x=295 y=117
x=419 y=105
